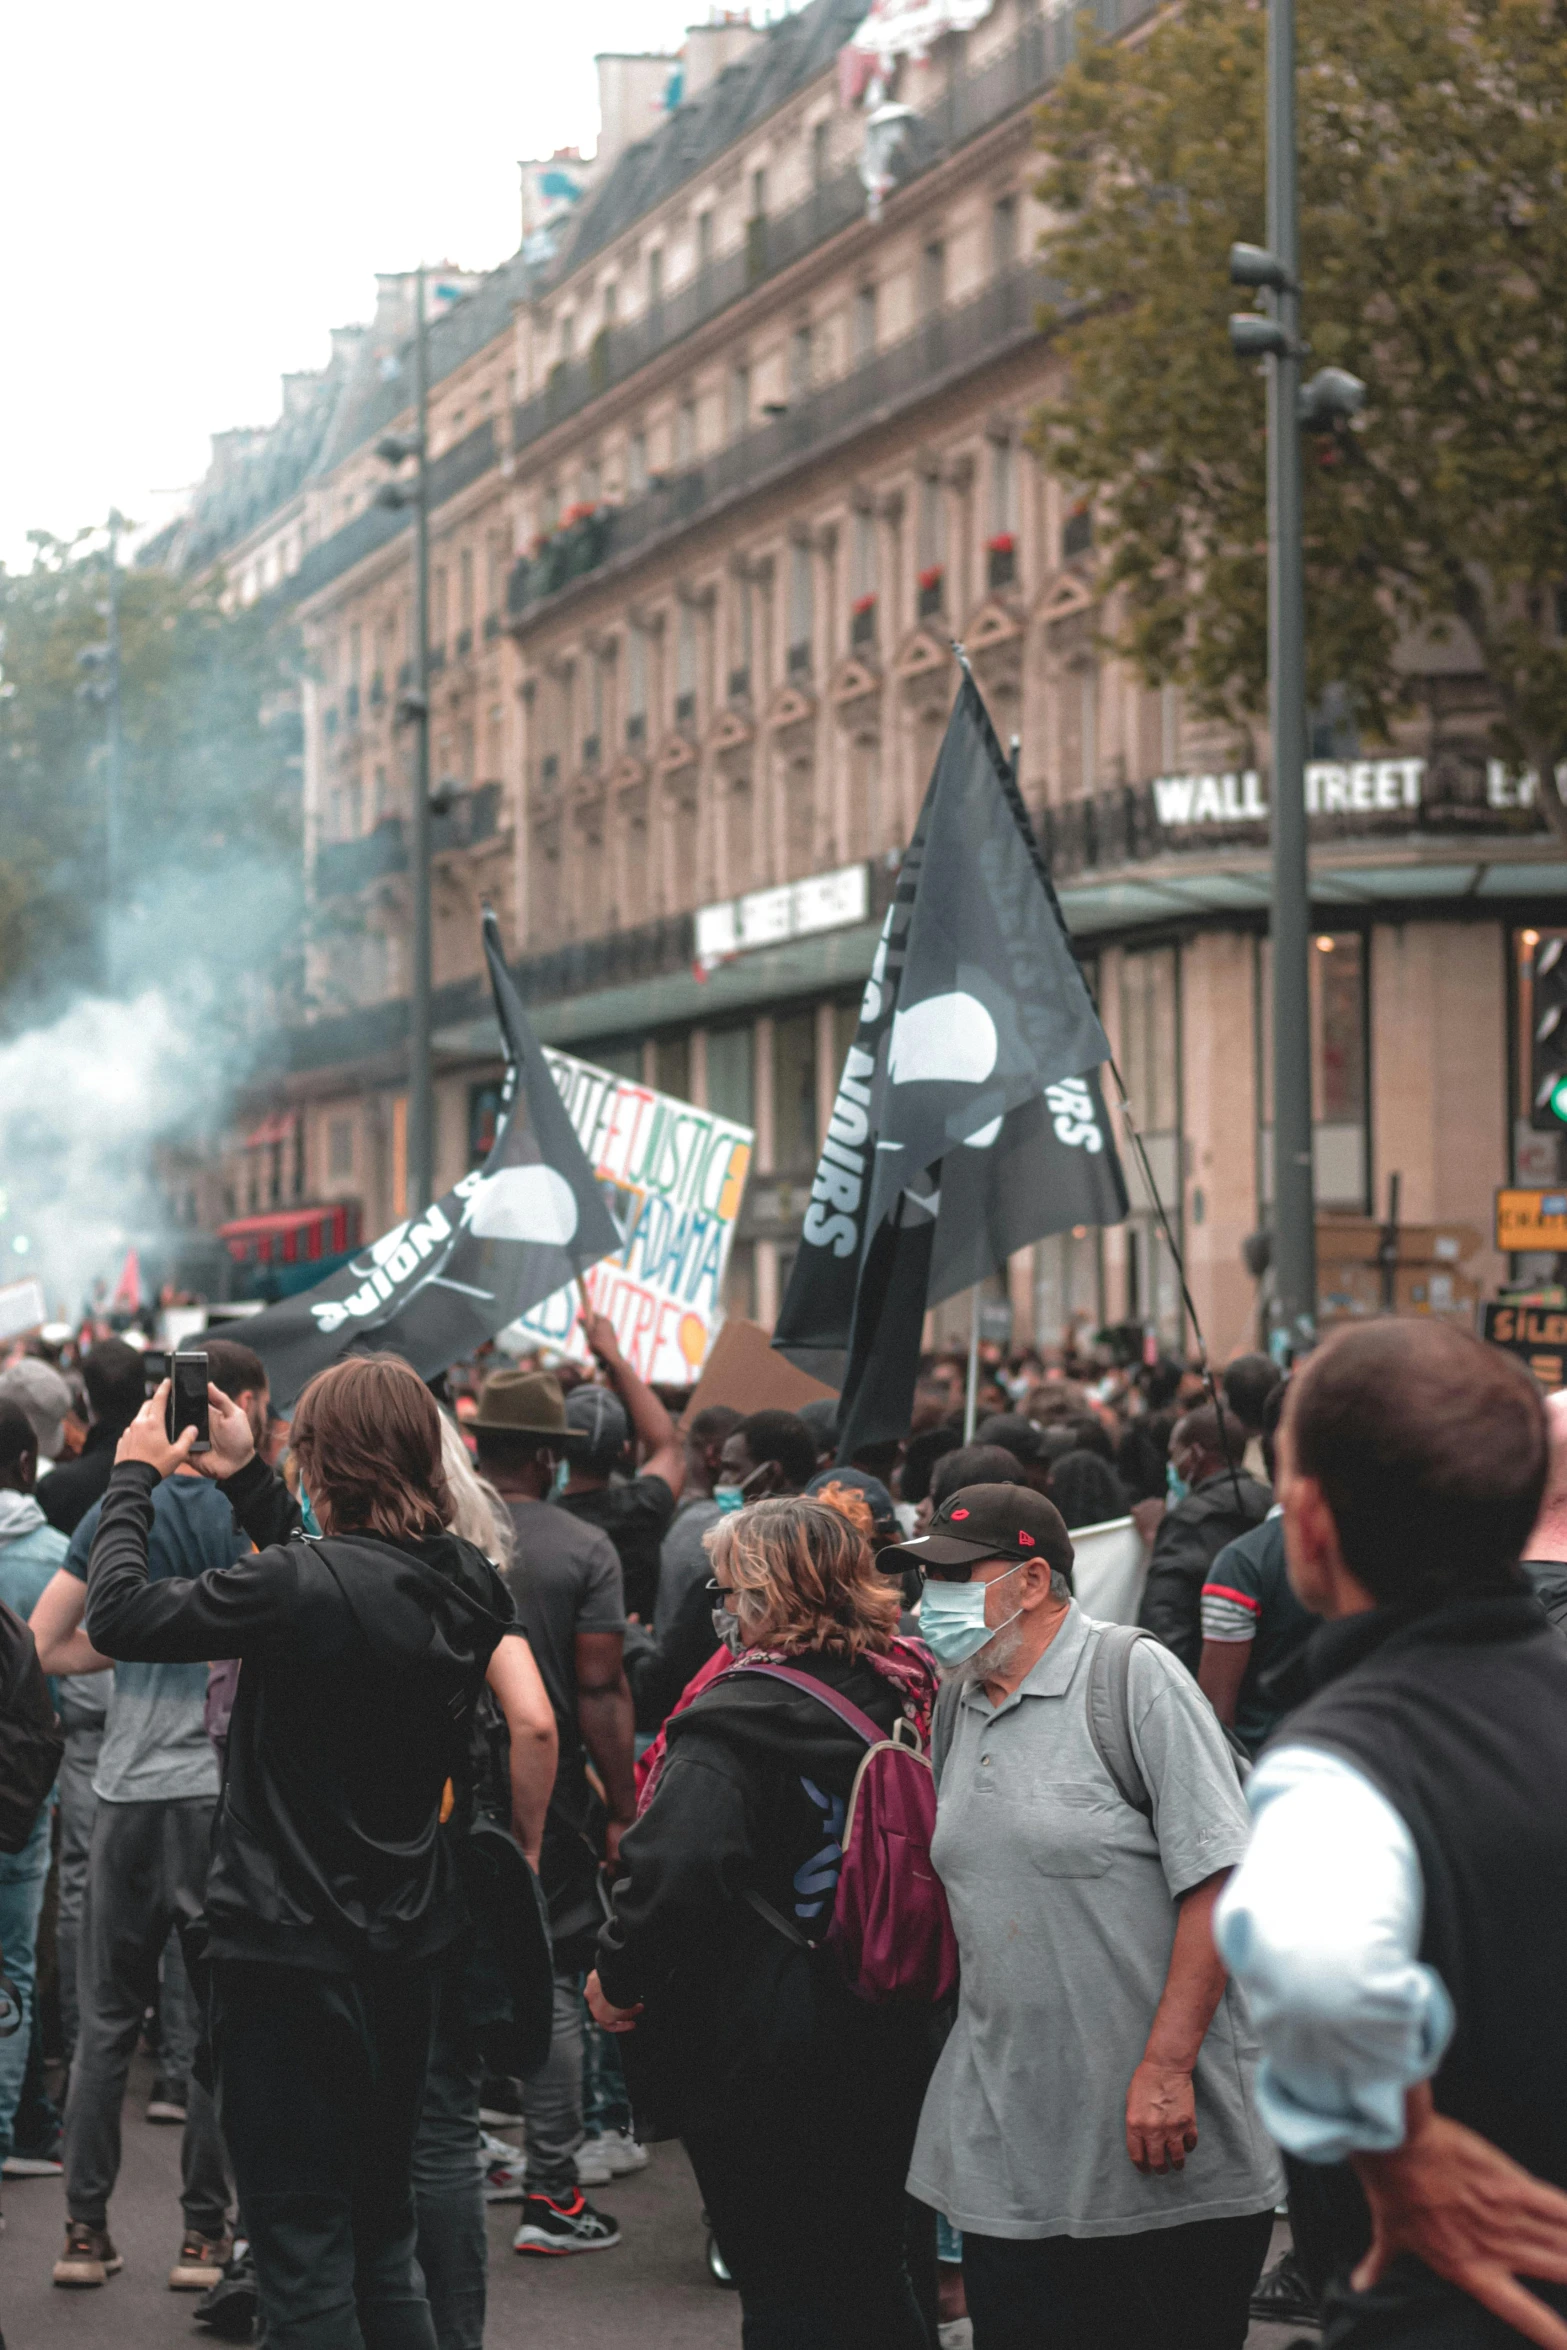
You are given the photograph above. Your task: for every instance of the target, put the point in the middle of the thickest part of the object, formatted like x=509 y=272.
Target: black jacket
x=1190 y=1538
x=751 y=1798
x=68 y=1492
x=362 y=1661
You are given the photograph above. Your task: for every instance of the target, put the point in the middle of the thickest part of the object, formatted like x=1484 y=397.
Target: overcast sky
x=191 y=194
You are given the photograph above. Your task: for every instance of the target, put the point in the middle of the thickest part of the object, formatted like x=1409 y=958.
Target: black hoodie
x=362 y=1661
x=751 y=1798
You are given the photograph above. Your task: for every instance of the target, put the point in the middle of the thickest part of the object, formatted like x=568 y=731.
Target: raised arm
x=519 y=1691
x=655 y=1431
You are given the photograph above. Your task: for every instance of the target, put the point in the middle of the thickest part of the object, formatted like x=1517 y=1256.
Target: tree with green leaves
x=210 y=863
x=1433 y=193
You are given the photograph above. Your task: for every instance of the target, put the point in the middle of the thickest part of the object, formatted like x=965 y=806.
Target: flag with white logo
x=511 y=1233
x=968 y=1121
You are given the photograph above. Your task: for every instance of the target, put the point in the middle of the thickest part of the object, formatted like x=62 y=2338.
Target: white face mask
x=952 y=1619
x=727 y=1625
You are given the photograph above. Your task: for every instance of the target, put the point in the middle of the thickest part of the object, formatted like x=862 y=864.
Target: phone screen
x=188 y=1400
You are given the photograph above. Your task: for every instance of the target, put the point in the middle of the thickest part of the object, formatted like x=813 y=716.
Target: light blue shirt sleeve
x=1320 y=1926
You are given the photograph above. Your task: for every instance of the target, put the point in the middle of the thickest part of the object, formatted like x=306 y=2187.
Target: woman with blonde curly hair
x=797 y=2102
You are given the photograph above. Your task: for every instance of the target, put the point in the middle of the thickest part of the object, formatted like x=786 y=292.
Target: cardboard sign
x=22 y=1308
x=1531 y=1219
x=1536 y=1334
x=674 y=1177
x=745 y=1371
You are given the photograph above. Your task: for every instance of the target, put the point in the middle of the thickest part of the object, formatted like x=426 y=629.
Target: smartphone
x=188 y=1399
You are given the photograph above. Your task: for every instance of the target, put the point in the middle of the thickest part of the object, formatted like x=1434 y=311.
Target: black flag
x=968 y=1120
x=508 y=1235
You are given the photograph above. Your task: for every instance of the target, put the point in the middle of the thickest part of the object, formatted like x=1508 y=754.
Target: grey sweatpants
x=147 y=1866
x=552 y=2100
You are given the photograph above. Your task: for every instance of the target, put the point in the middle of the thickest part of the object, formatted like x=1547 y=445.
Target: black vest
x=1460 y=1718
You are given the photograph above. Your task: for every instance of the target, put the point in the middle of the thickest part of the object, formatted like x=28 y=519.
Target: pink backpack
x=890 y=1932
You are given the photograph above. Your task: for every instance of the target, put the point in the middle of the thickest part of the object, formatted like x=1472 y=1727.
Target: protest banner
x=672 y=1177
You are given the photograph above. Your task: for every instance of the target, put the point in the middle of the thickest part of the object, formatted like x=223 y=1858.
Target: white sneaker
x=956 y=2334
x=623 y=2153
x=594 y=2168
x=505 y=2170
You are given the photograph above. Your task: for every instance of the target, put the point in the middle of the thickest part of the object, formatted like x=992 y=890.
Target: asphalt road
x=652 y=2291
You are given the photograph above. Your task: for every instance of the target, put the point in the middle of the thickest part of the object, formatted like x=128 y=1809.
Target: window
x=1338 y=1070
x=932 y=523
x=672 y=1066
x=494 y=565
x=862 y=555
x=794 y=1093
x=865 y=323
x=354 y=648
x=568 y=335
x=1003 y=235
x=704 y=240
x=741 y=640
x=636 y=682
x=800 y=605
x=933 y=277
x=589 y=482
x=758 y=194
x=1151 y=1065
x=685 y=666
x=1003 y=489
x=730 y=1074
x=438 y=605
x=611 y=301
x=739 y=399
x=465 y=588
x=655 y=277
x=339 y=1147
x=549 y=507
x=800 y=363
x=636 y=465
x=685 y=433
x=821 y=132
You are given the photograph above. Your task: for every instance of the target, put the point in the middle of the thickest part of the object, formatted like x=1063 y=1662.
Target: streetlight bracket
x=1254 y=337
x=397 y=495
x=1330 y=399
x=410 y=708
x=394 y=448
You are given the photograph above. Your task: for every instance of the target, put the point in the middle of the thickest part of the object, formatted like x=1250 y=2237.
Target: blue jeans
x=22 y=1878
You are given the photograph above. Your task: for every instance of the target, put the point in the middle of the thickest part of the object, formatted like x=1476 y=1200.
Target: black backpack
x=31 y=1740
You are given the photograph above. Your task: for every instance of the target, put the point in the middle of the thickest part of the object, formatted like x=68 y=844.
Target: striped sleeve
x=1227 y=1614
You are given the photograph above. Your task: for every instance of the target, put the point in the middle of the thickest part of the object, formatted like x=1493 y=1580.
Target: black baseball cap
x=991 y=1521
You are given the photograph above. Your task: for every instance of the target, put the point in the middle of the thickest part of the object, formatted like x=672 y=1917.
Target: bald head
x=1549 y=1538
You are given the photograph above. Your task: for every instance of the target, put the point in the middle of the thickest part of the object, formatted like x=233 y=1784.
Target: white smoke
x=84 y=1101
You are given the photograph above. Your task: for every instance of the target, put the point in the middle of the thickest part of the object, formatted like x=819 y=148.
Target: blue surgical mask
x=311 y=1522
x=1175 y=1484
x=729 y=1498
x=952 y=1619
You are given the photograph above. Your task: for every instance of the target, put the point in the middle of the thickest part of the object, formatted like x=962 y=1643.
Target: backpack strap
x=1110 y=1715
x=847 y=1712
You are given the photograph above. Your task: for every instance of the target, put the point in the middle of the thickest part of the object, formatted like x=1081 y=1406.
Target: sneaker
x=230 y=2307
x=1283 y=2297
x=594 y=2168
x=89 y=2257
x=623 y=2153
x=505 y=2171
x=200 y=2263
x=500 y=2099
x=33 y=2162
x=554 y=2228
x=167 y=2102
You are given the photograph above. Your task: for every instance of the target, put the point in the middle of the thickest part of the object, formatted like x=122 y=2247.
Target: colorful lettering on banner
x=674 y=1177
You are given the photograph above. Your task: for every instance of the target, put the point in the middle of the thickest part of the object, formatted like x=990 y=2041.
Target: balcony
x=472 y=818
x=1001 y=562
x=931 y=593
x=345 y=866
x=941 y=350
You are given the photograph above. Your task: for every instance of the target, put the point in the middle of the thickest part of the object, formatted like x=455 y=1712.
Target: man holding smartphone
x=156 y=1784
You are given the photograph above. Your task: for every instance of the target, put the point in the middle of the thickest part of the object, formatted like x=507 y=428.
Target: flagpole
x=971 y=1400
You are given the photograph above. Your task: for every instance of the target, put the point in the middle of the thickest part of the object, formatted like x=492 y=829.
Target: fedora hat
x=526 y=1403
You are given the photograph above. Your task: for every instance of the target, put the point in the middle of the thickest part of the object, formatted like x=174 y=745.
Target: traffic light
x=1548 y=1046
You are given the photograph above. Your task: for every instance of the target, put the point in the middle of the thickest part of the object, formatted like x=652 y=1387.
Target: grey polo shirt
x=1064 y=1901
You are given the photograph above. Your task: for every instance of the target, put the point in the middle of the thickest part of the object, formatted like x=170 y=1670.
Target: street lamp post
x=1329 y=399
x=413 y=709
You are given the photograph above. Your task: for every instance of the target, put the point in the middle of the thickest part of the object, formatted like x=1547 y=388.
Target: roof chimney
x=633 y=94
x=727 y=36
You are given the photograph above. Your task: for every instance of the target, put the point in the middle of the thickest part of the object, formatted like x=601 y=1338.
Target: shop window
x=672 y=1066
x=1339 y=1071
x=731 y=1086
x=794 y=1093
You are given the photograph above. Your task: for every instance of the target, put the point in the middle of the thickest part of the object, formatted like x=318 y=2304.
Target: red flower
x=863 y=604
x=932 y=577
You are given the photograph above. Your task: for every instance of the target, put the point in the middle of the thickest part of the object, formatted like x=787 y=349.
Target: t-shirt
x=1064 y=1902
x=1248 y=1597
x=155 y=1748
x=682 y=1560
x=565 y=1579
x=635 y=1515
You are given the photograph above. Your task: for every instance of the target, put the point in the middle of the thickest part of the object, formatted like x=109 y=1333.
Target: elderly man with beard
x=1090 y=2126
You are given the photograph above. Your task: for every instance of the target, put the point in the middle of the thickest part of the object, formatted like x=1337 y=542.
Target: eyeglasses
x=717 y=1590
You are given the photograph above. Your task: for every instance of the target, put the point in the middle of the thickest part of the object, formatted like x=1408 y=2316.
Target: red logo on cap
x=1027 y=1540
x=960 y=1513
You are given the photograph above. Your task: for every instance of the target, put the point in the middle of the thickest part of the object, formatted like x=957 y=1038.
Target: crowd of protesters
x=464 y=1785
